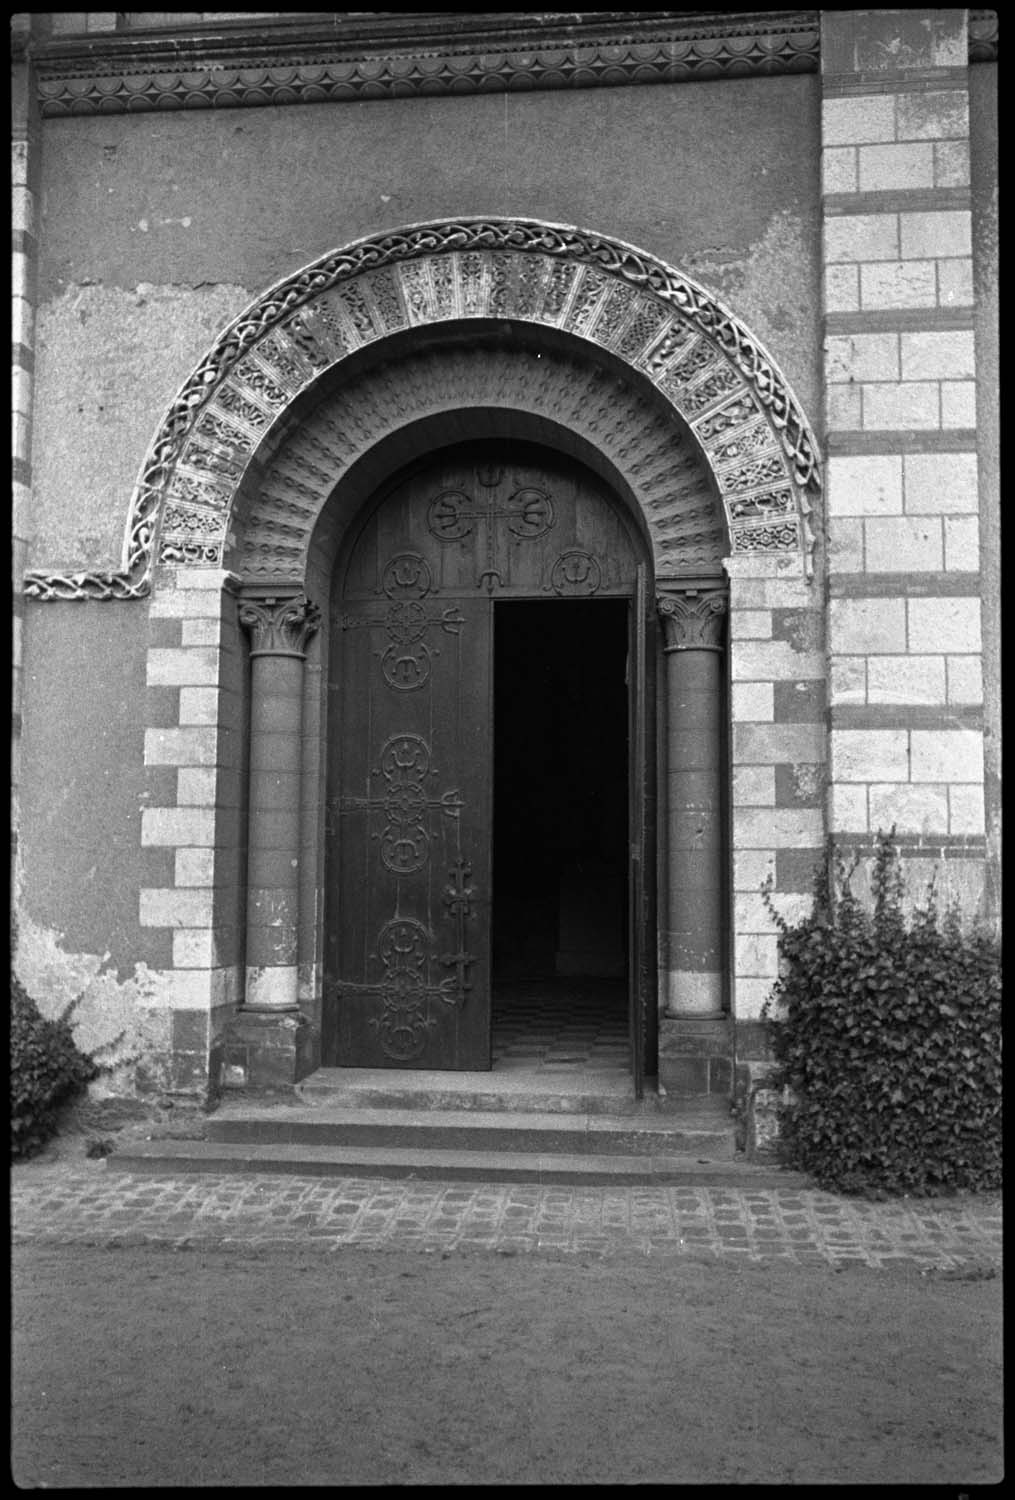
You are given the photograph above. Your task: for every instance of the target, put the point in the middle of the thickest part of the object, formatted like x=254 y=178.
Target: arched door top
x=701 y=359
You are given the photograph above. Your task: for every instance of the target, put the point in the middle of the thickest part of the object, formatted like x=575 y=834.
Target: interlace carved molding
x=693 y=617
x=372 y=57
x=279 y=625
x=713 y=373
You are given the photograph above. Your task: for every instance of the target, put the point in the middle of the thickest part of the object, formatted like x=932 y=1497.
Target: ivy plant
x=886 y=1032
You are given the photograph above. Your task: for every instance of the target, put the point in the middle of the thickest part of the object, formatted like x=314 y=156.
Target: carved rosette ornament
x=279 y=626
x=693 y=617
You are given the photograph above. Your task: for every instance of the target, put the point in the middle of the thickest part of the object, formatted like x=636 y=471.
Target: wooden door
x=410 y=803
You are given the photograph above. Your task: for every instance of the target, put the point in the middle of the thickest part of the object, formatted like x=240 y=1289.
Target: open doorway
x=560 y=833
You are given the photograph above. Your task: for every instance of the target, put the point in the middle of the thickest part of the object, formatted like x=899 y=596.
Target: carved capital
x=693 y=616
x=279 y=625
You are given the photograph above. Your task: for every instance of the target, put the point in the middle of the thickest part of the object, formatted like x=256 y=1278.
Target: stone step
x=699 y=1133
x=573 y=1091
x=588 y=1169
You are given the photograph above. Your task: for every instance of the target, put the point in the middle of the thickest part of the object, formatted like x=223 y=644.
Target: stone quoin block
x=750 y=994
x=754 y=624
x=898 y=284
x=752 y=867
x=795 y=868
x=902 y=404
x=955 y=283
x=858 y=119
x=962 y=544
x=948 y=355
x=912 y=809
x=195 y=948
x=772 y=661
x=199 y=705
x=958 y=403
x=865 y=626
x=842 y=288
x=194 y=867
x=947 y=755
x=906 y=679
x=942 y=234
x=848 y=808
x=196 y=788
x=966 y=810
x=864 y=484
x=181 y=747
x=172 y=908
x=196 y=665
x=903 y=544
x=768 y=744
x=757 y=953
x=801 y=701
x=177 y=825
x=845 y=544
x=951 y=163
x=777 y=828
x=940 y=482
x=200 y=632
x=935 y=115
x=847 y=678
x=886 y=167
x=752 y=702
x=869 y=754
x=862 y=237
x=943 y=625
x=839 y=169
x=754 y=786
x=185 y=603
x=965 y=679
x=862 y=356
x=751 y=913
x=843 y=408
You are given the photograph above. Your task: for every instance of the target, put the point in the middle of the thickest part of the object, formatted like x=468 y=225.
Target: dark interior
x=560 y=821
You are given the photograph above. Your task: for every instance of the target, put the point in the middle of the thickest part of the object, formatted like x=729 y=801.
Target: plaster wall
x=156 y=231
x=80 y=859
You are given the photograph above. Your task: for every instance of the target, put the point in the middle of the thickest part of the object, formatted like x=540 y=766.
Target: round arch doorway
x=486 y=893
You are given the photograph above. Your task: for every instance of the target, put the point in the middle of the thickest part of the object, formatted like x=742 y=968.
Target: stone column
x=267 y=1043
x=694 y=1055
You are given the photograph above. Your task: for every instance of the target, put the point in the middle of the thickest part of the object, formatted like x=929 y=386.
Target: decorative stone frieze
x=377 y=56
x=703 y=362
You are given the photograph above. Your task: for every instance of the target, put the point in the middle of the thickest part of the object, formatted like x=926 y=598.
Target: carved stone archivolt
x=665 y=470
x=704 y=364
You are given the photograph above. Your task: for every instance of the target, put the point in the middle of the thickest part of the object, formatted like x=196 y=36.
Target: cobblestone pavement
x=83 y=1203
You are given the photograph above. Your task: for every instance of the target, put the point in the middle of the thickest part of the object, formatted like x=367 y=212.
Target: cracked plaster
x=108 y=363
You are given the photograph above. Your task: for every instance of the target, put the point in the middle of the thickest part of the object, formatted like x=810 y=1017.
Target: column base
x=268 y=1050
x=695 y=1056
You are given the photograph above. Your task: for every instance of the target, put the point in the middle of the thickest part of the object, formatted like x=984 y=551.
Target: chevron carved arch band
x=664 y=326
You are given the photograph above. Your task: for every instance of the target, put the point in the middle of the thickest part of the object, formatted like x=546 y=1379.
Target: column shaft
x=693 y=922
x=279 y=630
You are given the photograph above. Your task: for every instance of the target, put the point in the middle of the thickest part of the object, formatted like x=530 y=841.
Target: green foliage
x=888 y=1041
x=46 y=1069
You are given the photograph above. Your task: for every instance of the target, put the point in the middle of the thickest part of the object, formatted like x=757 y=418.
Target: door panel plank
x=410 y=802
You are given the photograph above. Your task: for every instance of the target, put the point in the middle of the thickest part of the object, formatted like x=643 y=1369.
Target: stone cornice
x=316 y=59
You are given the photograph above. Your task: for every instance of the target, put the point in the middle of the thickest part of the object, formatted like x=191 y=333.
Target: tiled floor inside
x=556 y=1026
